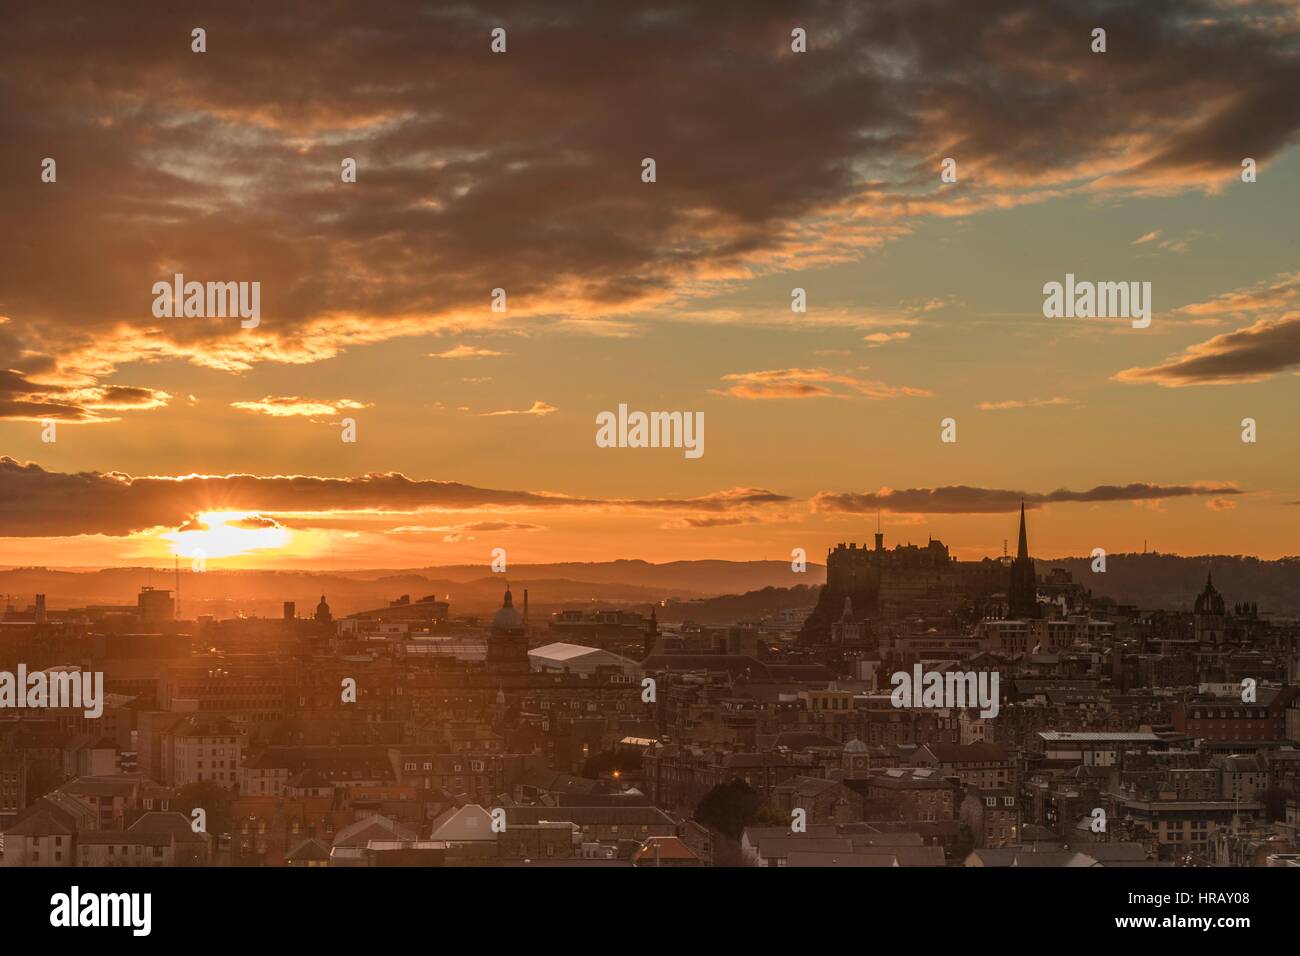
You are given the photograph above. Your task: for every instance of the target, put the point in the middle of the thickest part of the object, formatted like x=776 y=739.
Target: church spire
x=1023 y=551
x=1022 y=588
x=651 y=637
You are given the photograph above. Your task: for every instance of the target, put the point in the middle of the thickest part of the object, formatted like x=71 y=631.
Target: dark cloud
x=809 y=383
x=963 y=499
x=522 y=170
x=1252 y=354
x=23 y=400
x=719 y=521
x=39 y=503
x=253 y=523
x=471 y=526
x=1270 y=344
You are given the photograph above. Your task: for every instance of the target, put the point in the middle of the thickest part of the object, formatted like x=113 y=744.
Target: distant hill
x=695 y=577
x=735 y=607
x=472 y=588
x=1171 y=581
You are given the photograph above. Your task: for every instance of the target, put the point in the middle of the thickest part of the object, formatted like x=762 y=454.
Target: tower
x=652 y=633
x=323 y=616
x=1022 y=589
x=507 y=651
x=1208 y=614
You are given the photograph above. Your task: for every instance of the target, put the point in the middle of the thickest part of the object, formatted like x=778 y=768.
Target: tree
x=215 y=801
x=730 y=807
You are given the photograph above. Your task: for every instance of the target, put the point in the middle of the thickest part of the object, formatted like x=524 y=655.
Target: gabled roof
x=308 y=850
x=470 y=823
x=664 y=848
x=175 y=825
x=376 y=827
x=41 y=823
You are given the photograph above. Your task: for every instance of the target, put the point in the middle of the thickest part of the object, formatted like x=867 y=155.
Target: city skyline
x=583 y=436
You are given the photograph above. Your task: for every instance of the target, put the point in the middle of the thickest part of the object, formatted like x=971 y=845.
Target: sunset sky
x=522 y=170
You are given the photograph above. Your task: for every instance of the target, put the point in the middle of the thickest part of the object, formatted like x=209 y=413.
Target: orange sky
x=476 y=425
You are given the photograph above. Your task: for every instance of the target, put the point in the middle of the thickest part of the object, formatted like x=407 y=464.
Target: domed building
x=323 y=618
x=857 y=759
x=507 y=651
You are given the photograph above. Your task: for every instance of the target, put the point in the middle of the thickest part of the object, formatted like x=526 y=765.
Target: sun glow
x=226 y=534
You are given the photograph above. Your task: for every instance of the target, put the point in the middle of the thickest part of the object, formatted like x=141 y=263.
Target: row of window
x=475 y=766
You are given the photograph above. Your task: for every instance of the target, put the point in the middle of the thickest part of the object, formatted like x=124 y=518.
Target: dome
x=508 y=619
x=855 y=746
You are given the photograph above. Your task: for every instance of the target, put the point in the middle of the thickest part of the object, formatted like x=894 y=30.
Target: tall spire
x=651 y=637
x=1022 y=588
x=1024 y=538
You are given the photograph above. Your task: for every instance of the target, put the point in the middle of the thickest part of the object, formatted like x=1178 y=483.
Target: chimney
x=525 y=608
x=40 y=609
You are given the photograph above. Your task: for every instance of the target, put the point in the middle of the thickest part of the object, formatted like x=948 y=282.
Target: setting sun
x=225 y=534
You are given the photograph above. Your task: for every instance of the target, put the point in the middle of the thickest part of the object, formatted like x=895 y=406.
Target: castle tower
x=1022 y=590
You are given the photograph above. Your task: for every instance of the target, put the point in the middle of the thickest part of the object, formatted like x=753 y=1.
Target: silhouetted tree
x=215 y=801
x=730 y=807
